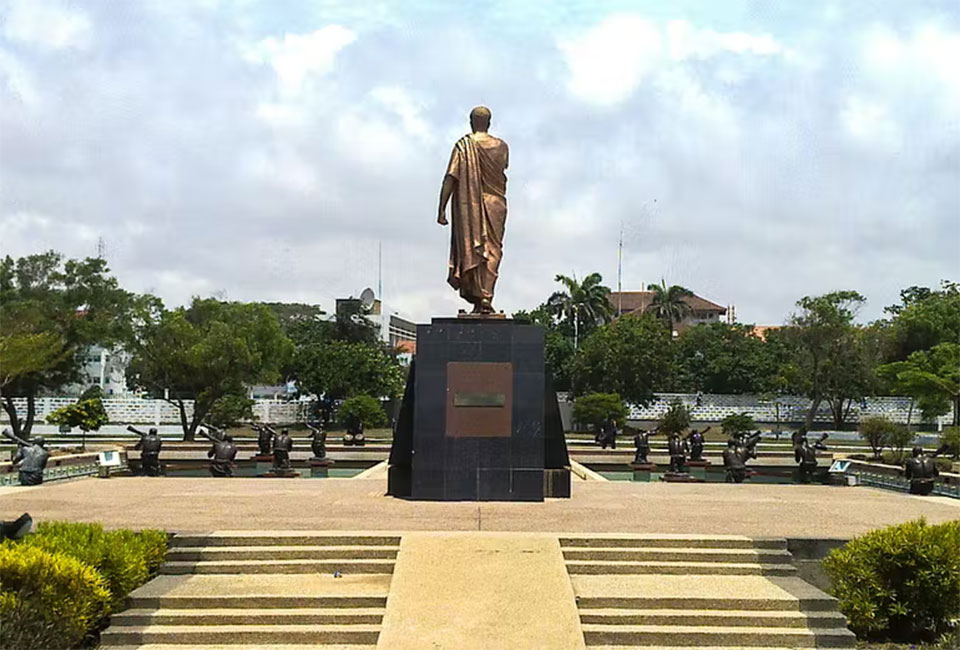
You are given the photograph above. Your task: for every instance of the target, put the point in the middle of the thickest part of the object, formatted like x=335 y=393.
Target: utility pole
x=620 y=273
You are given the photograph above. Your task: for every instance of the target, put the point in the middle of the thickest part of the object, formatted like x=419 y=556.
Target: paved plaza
x=204 y=504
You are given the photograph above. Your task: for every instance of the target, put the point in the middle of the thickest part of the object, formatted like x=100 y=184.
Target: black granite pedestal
x=479 y=419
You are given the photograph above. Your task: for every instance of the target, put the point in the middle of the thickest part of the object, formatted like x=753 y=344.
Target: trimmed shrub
x=900 y=582
x=951 y=438
x=47 y=600
x=124 y=558
x=676 y=419
x=596 y=408
x=738 y=423
x=362 y=408
x=876 y=431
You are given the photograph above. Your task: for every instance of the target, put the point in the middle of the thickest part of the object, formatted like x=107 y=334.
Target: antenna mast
x=620 y=273
x=380 y=270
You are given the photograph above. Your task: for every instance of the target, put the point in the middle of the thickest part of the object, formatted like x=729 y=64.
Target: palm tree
x=586 y=304
x=668 y=304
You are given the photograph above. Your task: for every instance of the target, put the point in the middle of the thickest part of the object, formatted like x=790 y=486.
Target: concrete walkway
x=480 y=590
x=204 y=504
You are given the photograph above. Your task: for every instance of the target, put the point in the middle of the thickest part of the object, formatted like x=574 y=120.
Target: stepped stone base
x=302 y=589
x=702 y=591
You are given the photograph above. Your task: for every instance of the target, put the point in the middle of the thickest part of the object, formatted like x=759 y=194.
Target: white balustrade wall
x=714 y=408
x=157 y=411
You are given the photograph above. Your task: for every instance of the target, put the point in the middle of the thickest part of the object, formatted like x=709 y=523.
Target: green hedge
x=901 y=582
x=47 y=600
x=119 y=560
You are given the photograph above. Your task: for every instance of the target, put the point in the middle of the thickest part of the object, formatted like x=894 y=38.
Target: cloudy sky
x=754 y=152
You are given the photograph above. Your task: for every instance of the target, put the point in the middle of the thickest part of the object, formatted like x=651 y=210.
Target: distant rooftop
x=639 y=300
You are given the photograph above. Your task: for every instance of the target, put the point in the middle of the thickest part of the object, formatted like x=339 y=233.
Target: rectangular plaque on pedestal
x=473 y=423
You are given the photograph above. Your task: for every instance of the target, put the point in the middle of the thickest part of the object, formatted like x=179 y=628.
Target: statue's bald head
x=480 y=119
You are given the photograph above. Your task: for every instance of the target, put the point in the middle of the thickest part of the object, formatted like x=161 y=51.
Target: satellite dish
x=367 y=298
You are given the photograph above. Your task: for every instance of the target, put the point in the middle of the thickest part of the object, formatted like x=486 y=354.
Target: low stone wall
x=786 y=408
x=60 y=467
x=712 y=408
x=157 y=411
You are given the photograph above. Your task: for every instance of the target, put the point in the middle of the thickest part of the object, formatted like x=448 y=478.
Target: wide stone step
x=284 y=538
x=714 y=617
x=256 y=601
x=278 y=566
x=235 y=616
x=294 y=552
x=708 y=603
x=598 y=567
x=673 y=541
x=667 y=554
x=226 y=634
x=721 y=636
x=604 y=646
x=248 y=646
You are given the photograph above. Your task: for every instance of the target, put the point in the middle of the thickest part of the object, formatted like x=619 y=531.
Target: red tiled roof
x=639 y=300
x=409 y=347
x=760 y=331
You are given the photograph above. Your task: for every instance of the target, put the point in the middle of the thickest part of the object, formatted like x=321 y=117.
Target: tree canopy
x=721 y=358
x=52 y=310
x=630 y=357
x=585 y=305
x=341 y=369
x=205 y=352
x=828 y=358
x=668 y=303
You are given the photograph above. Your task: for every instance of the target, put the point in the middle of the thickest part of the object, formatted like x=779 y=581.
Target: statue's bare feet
x=485 y=306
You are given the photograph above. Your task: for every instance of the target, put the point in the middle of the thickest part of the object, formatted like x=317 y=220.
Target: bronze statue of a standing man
x=476 y=180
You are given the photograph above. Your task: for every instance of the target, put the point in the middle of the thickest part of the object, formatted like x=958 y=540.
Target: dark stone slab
x=479 y=419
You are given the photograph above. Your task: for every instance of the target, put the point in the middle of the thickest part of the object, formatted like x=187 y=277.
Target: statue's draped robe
x=479 y=213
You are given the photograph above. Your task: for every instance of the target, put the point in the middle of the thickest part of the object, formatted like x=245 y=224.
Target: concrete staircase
x=268 y=590
x=696 y=591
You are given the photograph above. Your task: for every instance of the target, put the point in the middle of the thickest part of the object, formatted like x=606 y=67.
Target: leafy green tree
x=925 y=318
x=53 y=310
x=724 y=359
x=558 y=345
x=596 y=408
x=586 y=305
x=630 y=357
x=668 y=303
x=932 y=377
x=364 y=409
x=230 y=411
x=900 y=438
x=676 y=419
x=877 y=432
x=302 y=323
x=951 y=438
x=737 y=423
x=828 y=358
x=87 y=413
x=206 y=352
x=338 y=370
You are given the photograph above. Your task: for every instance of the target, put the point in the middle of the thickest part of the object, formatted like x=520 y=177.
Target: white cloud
x=296 y=56
x=686 y=41
x=870 y=123
x=49 y=25
x=611 y=59
x=925 y=59
x=404 y=105
x=608 y=61
x=18 y=79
